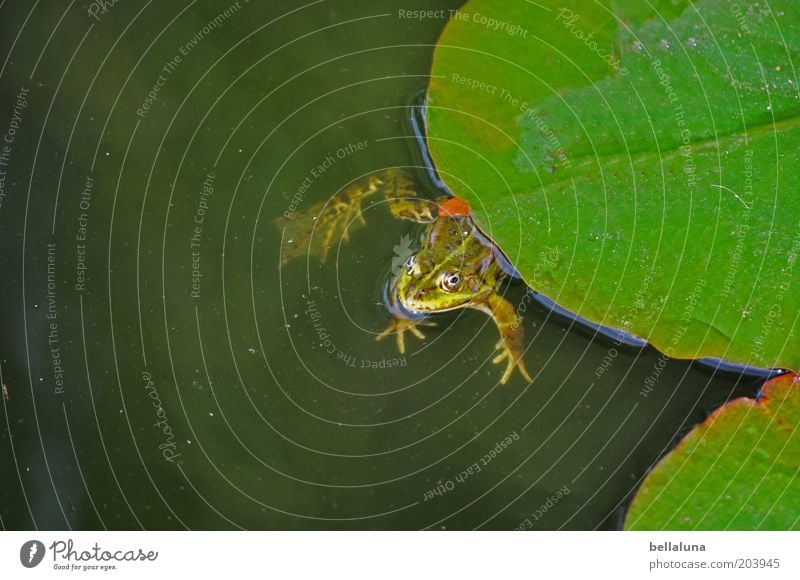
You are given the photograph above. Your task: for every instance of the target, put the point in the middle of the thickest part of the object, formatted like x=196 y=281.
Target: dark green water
x=163 y=373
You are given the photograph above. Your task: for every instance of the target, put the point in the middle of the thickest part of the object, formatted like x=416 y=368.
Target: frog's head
x=425 y=285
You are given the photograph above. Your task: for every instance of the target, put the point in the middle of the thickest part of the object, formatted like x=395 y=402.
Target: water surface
x=165 y=373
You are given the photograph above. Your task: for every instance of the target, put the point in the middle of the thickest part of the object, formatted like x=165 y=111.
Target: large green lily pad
x=740 y=469
x=638 y=165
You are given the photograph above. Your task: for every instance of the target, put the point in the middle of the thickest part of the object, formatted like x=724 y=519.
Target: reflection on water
x=165 y=373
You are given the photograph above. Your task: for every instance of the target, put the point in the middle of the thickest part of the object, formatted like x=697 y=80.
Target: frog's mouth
x=418 y=308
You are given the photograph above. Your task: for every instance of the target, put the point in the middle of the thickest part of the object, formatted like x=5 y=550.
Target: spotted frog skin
x=455 y=267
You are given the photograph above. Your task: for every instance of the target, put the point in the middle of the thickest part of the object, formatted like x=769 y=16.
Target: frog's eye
x=450 y=282
x=410 y=263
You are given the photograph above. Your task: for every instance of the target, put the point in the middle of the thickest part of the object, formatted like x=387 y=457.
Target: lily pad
x=638 y=165
x=740 y=469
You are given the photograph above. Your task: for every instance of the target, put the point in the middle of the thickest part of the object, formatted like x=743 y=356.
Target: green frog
x=455 y=267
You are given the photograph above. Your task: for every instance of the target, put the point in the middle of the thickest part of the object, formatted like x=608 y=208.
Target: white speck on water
x=251 y=350
x=637 y=46
x=663 y=44
x=691 y=42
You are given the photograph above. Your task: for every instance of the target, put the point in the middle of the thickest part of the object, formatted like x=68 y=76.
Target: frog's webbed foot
x=511 y=336
x=513 y=359
x=398 y=327
x=315 y=230
x=401 y=193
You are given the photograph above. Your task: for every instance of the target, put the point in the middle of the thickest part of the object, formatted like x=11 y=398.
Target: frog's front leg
x=511 y=335
x=398 y=327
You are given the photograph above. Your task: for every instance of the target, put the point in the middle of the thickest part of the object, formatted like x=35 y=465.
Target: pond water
x=164 y=373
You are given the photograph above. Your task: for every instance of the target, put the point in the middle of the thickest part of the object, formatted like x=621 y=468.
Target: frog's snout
x=419 y=295
x=415 y=297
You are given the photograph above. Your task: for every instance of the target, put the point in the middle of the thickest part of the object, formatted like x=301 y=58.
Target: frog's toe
x=500 y=357
x=512 y=360
x=523 y=371
x=389 y=329
x=398 y=327
x=505 y=355
x=401 y=341
x=398 y=335
x=507 y=373
x=416 y=332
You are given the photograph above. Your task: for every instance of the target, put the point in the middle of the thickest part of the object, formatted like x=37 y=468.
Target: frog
x=455 y=267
